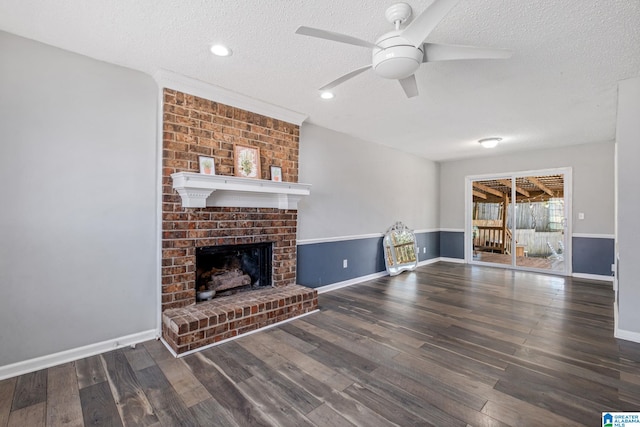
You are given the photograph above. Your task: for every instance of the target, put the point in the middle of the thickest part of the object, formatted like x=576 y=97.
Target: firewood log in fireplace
x=229 y=280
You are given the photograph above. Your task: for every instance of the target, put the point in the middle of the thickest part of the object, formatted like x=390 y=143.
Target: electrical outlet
x=424 y=250
x=581 y=215
x=344 y=263
x=613 y=267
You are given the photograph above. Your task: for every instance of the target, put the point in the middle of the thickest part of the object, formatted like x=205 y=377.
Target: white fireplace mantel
x=199 y=191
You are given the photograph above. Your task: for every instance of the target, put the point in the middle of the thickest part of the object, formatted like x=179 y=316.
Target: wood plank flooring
x=446 y=345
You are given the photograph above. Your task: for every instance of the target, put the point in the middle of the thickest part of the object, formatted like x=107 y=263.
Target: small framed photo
x=276 y=173
x=207 y=165
x=246 y=161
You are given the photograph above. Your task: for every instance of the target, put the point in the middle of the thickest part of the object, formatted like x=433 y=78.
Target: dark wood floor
x=449 y=344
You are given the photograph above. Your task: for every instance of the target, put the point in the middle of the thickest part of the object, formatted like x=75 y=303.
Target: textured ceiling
x=558 y=89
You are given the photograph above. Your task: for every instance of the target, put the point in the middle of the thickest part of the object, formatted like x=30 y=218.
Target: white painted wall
x=593 y=182
x=628 y=236
x=78 y=213
x=361 y=188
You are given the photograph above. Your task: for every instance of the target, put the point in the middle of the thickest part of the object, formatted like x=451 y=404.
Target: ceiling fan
x=399 y=53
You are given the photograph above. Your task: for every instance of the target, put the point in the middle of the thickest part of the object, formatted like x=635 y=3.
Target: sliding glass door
x=492 y=221
x=520 y=220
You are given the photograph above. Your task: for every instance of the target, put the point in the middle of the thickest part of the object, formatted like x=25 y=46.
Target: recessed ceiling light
x=220 y=50
x=489 y=142
x=327 y=95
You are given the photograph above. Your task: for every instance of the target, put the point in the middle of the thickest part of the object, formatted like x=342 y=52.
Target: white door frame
x=568 y=197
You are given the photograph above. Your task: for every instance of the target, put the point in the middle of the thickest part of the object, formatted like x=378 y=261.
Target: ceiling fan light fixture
x=396 y=62
x=399 y=53
x=221 y=50
x=489 y=142
x=327 y=95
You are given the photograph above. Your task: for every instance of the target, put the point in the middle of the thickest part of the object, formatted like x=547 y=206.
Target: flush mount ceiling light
x=220 y=50
x=327 y=95
x=489 y=142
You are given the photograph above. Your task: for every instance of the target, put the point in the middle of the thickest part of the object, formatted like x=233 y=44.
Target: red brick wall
x=195 y=126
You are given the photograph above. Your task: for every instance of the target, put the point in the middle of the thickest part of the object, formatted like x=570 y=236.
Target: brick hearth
x=194 y=126
x=209 y=322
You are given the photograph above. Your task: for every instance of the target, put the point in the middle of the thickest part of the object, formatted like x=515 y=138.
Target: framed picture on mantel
x=207 y=165
x=246 y=161
x=276 y=173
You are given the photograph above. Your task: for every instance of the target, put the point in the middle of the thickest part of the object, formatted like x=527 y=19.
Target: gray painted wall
x=428 y=245
x=321 y=264
x=360 y=188
x=78 y=220
x=593 y=256
x=593 y=182
x=452 y=244
x=628 y=233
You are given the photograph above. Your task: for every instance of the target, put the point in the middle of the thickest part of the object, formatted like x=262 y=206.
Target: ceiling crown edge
x=171 y=80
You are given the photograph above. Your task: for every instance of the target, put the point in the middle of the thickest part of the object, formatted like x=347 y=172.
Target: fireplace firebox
x=228 y=269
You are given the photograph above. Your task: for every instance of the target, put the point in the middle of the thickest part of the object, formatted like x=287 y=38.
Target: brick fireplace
x=194 y=126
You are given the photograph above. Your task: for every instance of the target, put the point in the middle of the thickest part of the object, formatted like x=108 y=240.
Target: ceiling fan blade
x=336 y=37
x=444 y=52
x=409 y=85
x=418 y=30
x=344 y=78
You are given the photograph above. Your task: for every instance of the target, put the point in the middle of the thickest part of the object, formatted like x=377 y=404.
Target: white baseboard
x=166 y=344
x=356 y=280
x=338 y=285
x=592 y=277
x=627 y=335
x=621 y=333
x=428 y=261
x=31 y=365
x=456 y=260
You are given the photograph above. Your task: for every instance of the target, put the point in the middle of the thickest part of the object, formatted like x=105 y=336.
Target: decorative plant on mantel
x=246 y=161
x=206 y=165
